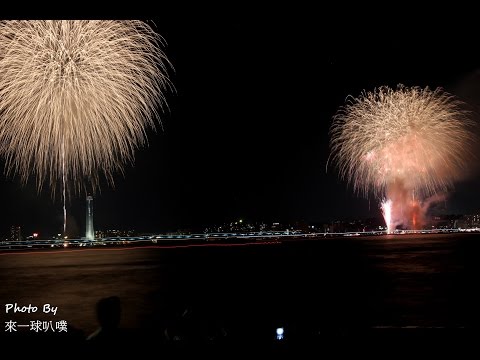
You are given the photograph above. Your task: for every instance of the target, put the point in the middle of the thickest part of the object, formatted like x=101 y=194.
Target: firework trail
x=404 y=145
x=76 y=98
x=386 y=207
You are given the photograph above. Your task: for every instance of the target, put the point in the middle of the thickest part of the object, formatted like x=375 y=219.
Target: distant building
x=16 y=233
x=468 y=221
x=89 y=233
x=101 y=234
x=472 y=220
x=446 y=222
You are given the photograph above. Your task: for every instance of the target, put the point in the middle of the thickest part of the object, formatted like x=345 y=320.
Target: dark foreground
x=405 y=292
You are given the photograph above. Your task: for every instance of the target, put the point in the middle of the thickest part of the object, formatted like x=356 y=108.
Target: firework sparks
x=386 y=207
x=76 y=97
x=406 y=145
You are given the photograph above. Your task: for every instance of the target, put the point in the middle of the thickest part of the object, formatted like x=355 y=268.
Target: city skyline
x=246 y=134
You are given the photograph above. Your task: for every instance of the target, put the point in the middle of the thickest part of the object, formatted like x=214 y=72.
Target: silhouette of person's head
x=109 y=311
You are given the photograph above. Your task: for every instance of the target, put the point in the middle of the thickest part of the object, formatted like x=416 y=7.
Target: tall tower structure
x=89 y=233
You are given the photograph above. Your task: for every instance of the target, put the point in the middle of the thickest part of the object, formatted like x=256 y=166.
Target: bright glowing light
x=76 y=97
x=407 y=145
x=386 y=207
x=279 y=332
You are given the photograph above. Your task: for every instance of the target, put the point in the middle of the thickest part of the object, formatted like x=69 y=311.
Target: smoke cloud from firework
x=76 y=97
x=407 y=146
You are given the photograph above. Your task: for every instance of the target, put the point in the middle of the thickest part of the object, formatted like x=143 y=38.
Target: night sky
x=246 y=134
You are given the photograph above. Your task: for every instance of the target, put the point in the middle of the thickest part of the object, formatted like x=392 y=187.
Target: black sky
x=246 y=135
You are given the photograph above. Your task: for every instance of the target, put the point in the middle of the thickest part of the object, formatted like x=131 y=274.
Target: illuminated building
x=15 y=233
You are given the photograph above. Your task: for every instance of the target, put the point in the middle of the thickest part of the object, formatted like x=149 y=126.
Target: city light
x=279 y=333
